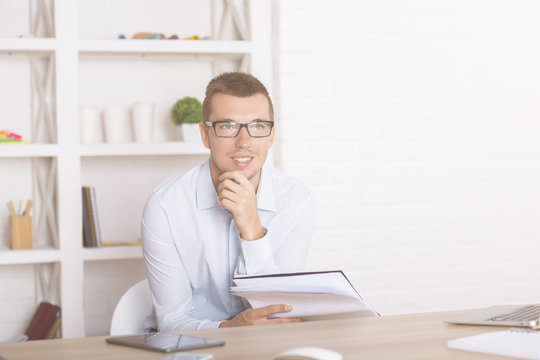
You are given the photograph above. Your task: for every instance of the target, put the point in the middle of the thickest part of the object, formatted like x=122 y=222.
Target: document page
x=519 y=343
x=313 y=295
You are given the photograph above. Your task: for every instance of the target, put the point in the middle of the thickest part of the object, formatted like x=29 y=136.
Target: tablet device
x=189 y=356
x=165 y=341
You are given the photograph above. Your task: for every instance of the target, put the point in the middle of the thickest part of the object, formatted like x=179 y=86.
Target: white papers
x=519 y=343
x=312 y=295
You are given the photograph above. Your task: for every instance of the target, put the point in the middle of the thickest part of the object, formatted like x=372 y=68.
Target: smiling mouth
x=242 y=161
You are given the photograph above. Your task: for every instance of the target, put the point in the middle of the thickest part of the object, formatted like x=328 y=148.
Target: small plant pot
x=189 y=132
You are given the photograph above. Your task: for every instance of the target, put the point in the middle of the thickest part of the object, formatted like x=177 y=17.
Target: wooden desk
x=415 y=336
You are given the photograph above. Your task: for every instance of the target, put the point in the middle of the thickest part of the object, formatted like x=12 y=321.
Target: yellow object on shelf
x=21 y=226
x=21 y=232
x=121 y=244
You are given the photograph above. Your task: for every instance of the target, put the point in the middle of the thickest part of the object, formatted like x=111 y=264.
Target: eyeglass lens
x=232 y=129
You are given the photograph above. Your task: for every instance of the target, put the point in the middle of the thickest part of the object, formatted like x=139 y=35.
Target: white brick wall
x=416 y=124
x=104 y=284
x=18 y=299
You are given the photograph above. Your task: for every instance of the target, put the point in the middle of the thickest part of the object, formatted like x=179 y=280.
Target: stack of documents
x=519 y=343
x=312 y=295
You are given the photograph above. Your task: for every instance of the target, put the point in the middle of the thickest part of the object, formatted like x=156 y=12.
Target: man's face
x=243 y=153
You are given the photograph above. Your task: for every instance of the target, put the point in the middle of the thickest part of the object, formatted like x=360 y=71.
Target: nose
x=243 y=139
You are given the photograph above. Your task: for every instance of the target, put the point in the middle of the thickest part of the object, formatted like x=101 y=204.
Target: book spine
x=42 y=320
x=95 y=218
x=51 y=333
x=87 y=190
x=87 y=229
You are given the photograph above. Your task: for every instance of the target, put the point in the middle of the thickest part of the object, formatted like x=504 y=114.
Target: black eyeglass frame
x=213 y=124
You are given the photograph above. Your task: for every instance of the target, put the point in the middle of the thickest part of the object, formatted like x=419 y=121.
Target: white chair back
x=132 y=309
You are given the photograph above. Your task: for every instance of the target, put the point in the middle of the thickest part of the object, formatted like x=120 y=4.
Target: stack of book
x=45 y=322
x=91 y=228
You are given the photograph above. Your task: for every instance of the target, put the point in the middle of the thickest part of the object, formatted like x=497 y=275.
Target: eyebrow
x=254 y=120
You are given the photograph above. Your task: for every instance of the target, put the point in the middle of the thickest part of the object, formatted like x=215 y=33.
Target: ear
x=204 y=134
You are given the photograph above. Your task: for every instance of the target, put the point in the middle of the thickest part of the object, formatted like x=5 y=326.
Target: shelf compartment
x=136 y=149
x=31 y=256
x=28 y=150
x=32 y=44
x=165 y=46
x=112 y=253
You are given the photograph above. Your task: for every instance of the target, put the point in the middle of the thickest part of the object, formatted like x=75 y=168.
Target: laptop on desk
x=502 y=315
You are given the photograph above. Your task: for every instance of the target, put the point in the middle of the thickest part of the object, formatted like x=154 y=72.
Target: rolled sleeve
x=258 y=256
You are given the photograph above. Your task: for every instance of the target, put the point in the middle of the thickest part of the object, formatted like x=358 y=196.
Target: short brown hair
x=237 y=84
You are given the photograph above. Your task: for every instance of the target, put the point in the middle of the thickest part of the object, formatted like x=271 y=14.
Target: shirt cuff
x=213 y=325
x=257 y=254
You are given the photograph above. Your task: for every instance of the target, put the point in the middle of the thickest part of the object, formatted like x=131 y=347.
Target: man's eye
x=225 y=127
x=257 y=126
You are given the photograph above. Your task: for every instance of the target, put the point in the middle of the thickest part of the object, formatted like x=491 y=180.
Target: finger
x=229 y=195
x=230 y=175
x=232 y=184
x=229 y=205
x=237 y=176
x=228 y=184
x=273 y=309
x=235 y=193
x=284 y=320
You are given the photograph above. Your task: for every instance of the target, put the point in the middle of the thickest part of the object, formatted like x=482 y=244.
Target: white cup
x=116 y=121
x=143 y=117
x=91 y=129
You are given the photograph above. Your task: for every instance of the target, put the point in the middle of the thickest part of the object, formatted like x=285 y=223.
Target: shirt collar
x=206 y=192
x=207 y=196
x=265 y=193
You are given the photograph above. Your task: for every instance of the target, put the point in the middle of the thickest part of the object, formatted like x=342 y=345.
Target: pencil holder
x=21 y=232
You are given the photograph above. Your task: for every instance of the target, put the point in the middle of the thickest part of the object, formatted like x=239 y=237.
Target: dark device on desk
x=165 y=342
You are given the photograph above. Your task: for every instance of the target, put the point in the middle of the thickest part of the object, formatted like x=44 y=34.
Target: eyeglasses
x=231 y=129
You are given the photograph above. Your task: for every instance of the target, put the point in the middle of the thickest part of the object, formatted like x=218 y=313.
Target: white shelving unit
x=28 y=150
x=167 y=148
x=65 y=157
x=25 y=45
x=19 y=257
x=186 y=47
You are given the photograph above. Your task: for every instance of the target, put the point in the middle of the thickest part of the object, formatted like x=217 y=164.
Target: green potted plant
x=186 y=115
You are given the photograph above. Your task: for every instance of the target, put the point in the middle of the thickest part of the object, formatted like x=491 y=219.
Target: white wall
x=416 y=124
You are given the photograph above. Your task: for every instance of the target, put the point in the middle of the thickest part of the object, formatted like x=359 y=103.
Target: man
x=232 y=215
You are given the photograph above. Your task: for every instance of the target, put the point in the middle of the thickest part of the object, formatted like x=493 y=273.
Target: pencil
x=29 y=204
x=11 y=208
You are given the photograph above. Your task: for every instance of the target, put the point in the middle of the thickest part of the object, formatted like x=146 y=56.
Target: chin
x=250 y=173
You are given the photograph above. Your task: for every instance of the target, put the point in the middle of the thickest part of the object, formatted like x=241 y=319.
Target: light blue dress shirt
x=192 y=247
